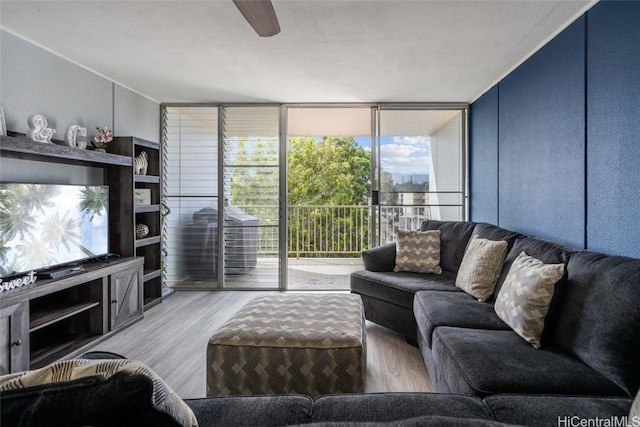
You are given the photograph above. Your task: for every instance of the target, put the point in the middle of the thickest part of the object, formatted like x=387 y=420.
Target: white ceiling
x=328 y=51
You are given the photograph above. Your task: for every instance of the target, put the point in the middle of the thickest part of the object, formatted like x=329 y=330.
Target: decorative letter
x=38 y=130
x=72 y=134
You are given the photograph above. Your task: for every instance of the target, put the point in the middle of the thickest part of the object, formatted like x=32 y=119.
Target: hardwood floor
x=172 y=340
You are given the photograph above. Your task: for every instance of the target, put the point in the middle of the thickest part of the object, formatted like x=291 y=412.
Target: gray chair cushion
x=458 y=309
x=483 y=362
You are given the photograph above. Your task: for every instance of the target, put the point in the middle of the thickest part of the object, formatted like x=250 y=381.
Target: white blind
x=251 y=183
x=190 y=144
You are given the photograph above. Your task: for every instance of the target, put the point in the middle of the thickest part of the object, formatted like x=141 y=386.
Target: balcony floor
x=303 y=274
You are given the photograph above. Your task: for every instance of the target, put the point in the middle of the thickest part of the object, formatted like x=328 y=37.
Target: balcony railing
x=336 y=231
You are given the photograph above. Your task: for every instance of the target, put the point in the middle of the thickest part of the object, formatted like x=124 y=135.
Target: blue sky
x=401 y=154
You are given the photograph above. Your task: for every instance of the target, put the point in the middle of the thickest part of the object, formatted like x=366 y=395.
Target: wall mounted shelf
x=23 y=148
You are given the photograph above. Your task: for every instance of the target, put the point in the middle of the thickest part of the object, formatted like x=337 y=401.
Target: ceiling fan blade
x=260 y=15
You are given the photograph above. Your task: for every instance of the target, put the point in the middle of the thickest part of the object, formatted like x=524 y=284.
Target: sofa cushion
x=252 y=410
x=454 y=236
x=386 y=407
x=399 y=288
x=123 y=399
x=481 y=266
x=634 y=412
x=523 y=301
x=458 y=309
x=424 y=421
x=493 y=232
x=543 y=410
x=599 y=318
x=545 y=251
x=484 y=362
x=380 y=258
x=418 y=252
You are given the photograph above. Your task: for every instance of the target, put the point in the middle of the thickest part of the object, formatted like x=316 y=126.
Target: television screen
x=46 y=225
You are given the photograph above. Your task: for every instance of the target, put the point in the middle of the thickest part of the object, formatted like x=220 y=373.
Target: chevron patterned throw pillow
x=481 y=267
x=418 y=252
x=523 y=300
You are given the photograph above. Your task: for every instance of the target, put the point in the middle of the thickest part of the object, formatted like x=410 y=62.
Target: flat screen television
x=45 y=226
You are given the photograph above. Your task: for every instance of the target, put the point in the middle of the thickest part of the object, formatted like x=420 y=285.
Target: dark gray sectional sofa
x=591 y=340
x=405 y=409
x=588 y=367
x=124 y=400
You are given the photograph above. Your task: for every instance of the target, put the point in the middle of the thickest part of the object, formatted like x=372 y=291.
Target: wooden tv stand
x=55 y=319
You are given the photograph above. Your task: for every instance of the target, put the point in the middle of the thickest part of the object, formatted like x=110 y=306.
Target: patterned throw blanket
x=164 y=398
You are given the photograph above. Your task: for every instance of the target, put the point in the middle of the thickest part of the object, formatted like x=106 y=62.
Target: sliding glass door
x=419 y=168
x=328 y=183
x=287 y=197
x=250 y=166
x=222 y=176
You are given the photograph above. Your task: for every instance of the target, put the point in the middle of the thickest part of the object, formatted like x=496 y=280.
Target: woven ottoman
x=309 y=344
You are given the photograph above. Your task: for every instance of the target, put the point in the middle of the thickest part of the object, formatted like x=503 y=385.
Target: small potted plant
x=100 y=141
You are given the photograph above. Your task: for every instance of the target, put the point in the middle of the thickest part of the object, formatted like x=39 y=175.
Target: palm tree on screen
x=94 y=200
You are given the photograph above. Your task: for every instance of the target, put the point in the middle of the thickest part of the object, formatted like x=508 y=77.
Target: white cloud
x=412 y=140
x=405 y=154
x=401 y=150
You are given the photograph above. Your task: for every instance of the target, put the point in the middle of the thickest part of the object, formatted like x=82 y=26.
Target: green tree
x=327 y=172
x=331 y=173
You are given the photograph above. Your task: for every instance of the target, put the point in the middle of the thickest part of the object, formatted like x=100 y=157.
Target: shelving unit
x=130 y=215
x=56 y=318
x=21 y=147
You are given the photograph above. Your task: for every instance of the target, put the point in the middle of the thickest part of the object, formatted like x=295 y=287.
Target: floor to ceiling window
x=251 y=176
x=302 y=189
x=328 y=196
x=419 y=162
x=190 y=161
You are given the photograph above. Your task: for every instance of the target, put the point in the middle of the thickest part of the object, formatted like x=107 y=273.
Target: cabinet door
x=14 y=338
x=125 y=289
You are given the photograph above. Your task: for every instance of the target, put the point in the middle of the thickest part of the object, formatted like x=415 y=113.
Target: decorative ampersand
x=71 y=138
x=38 y=130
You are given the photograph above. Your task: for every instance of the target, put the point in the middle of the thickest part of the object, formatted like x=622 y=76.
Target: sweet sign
x=18 y=282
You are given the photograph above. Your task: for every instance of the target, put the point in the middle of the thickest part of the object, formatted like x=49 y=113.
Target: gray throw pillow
x=634 y=413
x=523 y=300
x=418 y=252
x=481 y=267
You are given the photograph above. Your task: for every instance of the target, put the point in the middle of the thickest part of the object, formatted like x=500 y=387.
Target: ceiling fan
x=260 y=15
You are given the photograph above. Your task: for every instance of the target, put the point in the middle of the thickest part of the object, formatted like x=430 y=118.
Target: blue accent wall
x=483 y=151
x=541 y=147
x=568 y=137
x=613 y=128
